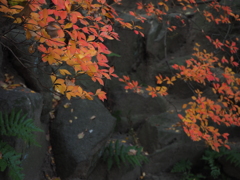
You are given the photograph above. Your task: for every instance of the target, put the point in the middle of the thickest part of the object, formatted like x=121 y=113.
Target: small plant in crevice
x=212 y=166
x=184 y=167
x=211 y=158
x=116 y=154
x=19 y=126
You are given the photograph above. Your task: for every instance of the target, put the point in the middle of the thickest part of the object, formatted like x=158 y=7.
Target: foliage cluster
x=19 y=126
x=211 y=158
x=116 y=154
x=73 y=32
x=185 y=166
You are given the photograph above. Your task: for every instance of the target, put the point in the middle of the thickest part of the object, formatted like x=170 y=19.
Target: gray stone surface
x=134 y=108
x=165 y=144
x=31 y=103
x=30 y=67
x=75 y=156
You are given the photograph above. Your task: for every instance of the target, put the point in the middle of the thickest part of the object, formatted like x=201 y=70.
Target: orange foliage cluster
x=73 y=32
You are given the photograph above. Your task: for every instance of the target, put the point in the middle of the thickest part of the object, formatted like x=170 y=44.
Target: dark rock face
x=135 y=108
x=30 y=67
x=29 y=102
x=32 y=100
x=81 y=129
x=78 y=134
x=166 y=145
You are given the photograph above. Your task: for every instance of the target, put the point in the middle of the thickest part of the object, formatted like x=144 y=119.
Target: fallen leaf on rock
x=12 y=86
x=81 y=135
x=51 y=114
x=57 y=97
x=143 y=175
x=23 y=85
x=67 y=105
x=3 y=85
x=93 y=117
x=132 y=152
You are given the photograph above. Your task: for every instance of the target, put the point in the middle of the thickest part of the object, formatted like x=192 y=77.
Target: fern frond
x=116 y=154
x=182 y=166
x=14 y=124
x=231 y=155
x=10 y=159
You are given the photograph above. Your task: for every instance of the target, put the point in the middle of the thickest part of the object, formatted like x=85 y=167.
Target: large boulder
x=30 y=103
x=30 y=67
x=78 y=134
x=166 y=144
x=132 y=109
x=161 y=41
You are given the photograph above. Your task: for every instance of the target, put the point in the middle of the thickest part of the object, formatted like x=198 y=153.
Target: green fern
x=15 y=125
x=211 y=157
x=116 y=154
x=231 y=155
x=182 y=166
x=11 y=160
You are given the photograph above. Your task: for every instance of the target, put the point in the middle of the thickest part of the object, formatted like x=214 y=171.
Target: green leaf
x=113 y=54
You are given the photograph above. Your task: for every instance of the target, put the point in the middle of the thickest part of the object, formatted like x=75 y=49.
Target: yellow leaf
x=68 y=95
x=92 y=69
x=80 y=56
x=194 y=98
x=64 y=72
x=173 y=78
x=65 y=58
x=50 y=59
x=66 y=105
x=18 y=20
x=108 y=15
x=163 y=4
x=88 y=96
x=91 y=38
x=184 y=106
x=60 y=86
x=68 y=25
x=53 y=78
x=197 y=44
x=28 y=34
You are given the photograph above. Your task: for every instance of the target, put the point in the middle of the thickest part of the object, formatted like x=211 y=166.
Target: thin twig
x=13 y=54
